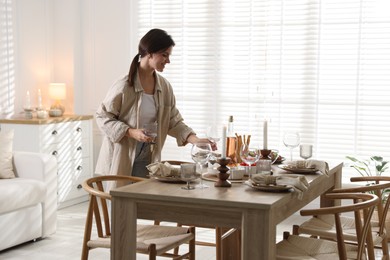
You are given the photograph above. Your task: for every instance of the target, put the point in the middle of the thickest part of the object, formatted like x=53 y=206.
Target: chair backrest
x=375 y=185
x=363 y=205
x=98 y=208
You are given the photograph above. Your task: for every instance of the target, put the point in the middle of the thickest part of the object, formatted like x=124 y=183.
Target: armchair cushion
x=6 y=140
x=20 y=193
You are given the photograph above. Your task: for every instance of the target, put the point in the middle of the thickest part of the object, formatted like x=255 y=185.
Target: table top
x=237 y=196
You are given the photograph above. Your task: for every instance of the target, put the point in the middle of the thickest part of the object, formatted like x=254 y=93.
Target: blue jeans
x=143 y=157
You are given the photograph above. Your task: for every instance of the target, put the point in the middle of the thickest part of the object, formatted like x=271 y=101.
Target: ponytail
x=133 y=70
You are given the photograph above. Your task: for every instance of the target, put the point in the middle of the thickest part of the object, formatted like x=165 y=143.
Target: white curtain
x=7 y=62
x=321 y=68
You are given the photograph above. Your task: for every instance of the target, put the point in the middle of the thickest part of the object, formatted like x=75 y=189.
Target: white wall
x=87 y=44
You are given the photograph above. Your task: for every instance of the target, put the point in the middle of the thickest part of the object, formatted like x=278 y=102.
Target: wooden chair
x=152 y=240
x=302 y=247
x=324 y=226
x=220 y=234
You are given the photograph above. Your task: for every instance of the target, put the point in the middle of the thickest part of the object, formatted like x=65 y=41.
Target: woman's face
x=158 y=60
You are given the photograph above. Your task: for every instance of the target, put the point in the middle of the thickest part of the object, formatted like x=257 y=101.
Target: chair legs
x=385 y=249
x=192 y=244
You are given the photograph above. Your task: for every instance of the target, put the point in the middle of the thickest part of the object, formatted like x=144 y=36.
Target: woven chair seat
x=163 y=237
x=302 y=248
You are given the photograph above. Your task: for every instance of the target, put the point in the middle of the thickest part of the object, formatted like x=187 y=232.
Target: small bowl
x=55 y=112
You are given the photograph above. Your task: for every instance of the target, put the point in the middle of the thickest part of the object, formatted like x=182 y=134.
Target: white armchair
x=28 y=203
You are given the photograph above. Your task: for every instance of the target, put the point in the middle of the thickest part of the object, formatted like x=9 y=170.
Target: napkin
x=163 y=169
x=299 y=183
x=320 y=166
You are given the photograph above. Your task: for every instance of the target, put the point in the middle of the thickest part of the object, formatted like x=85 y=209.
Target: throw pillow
x=6 y=167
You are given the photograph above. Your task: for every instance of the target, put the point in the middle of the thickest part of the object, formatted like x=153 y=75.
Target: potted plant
x=374 y=166
x=363 y=166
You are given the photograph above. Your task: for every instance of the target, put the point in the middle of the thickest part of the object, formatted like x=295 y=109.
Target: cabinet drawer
x=71 y=174
x=56 y=133
x=70 y=150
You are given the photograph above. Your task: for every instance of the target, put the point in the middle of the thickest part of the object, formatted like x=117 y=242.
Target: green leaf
x=376 y=158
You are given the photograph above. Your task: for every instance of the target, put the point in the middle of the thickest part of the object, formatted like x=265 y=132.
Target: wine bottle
x=231 y=142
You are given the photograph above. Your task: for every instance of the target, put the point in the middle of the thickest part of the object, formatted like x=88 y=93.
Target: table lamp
x=57 y=91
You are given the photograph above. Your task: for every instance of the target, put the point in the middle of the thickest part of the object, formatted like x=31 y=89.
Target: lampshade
x=57 y=91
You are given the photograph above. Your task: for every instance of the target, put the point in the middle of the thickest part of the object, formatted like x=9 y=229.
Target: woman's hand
x=194 y=139
x=139 y=135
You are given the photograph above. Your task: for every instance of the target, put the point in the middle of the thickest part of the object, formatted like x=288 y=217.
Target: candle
x=28 y=102
x=224 y=129
x=265 y=134
x=39 y=98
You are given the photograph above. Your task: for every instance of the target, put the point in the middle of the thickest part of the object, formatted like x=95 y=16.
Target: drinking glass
x=200 y=153
x=249 y=155
x=150 y=129
x=306 y=151
x=188 y=174
x=214 y=134
x=291 y=140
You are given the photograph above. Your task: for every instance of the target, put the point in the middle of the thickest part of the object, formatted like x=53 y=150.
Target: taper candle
x=223 y=153
x=265 y=134
x=28 y=101
x=39 y=99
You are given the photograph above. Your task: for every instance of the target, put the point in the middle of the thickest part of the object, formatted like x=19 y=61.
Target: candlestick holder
x=265 y=154
x=28 y=113
x=223 y=175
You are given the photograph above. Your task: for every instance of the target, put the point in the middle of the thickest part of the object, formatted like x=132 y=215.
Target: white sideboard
x=69 y=139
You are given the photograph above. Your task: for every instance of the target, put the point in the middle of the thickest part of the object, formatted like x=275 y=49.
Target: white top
x=148 y=110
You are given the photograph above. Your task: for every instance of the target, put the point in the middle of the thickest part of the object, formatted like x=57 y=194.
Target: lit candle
x=265 y=134
x=39 y=98
x=28 y=101
x=224 y=129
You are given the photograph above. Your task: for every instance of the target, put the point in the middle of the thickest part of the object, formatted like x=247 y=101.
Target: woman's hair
x=156 y=40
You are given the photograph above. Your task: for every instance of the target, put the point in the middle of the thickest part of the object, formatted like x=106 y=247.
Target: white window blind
x=7 y=63
x=318 y=67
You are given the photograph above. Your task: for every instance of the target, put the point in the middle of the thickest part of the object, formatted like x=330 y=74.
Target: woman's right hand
x=138 y=134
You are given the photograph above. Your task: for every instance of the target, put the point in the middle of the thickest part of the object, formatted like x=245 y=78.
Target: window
x=7 y=63
x=317 y=67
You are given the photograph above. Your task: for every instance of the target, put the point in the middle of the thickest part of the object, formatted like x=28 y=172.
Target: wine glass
x=200 y=153
x=250 y=155
x=150 y=129
x=306 y=151
x=214 y=134
x=291 y=140
x=188 y=174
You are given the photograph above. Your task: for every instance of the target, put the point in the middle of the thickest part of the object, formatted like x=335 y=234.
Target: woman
x=141 y=97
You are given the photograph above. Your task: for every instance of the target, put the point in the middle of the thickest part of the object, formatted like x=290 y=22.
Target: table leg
x=258 y=236
x=124 y=229
x=337 y=184
x=231 y=245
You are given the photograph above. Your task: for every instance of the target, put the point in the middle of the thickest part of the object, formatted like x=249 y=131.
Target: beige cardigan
x=119 y=111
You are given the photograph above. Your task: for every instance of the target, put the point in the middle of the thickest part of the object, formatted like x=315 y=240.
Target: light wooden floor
x=65 y=244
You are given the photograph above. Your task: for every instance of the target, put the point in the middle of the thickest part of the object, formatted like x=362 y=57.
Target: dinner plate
x=271 y=188
x=214 y=177
x=297 y=170
x=171 y=179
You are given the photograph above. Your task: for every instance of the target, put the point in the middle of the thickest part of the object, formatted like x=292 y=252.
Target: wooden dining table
x=255 y=213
